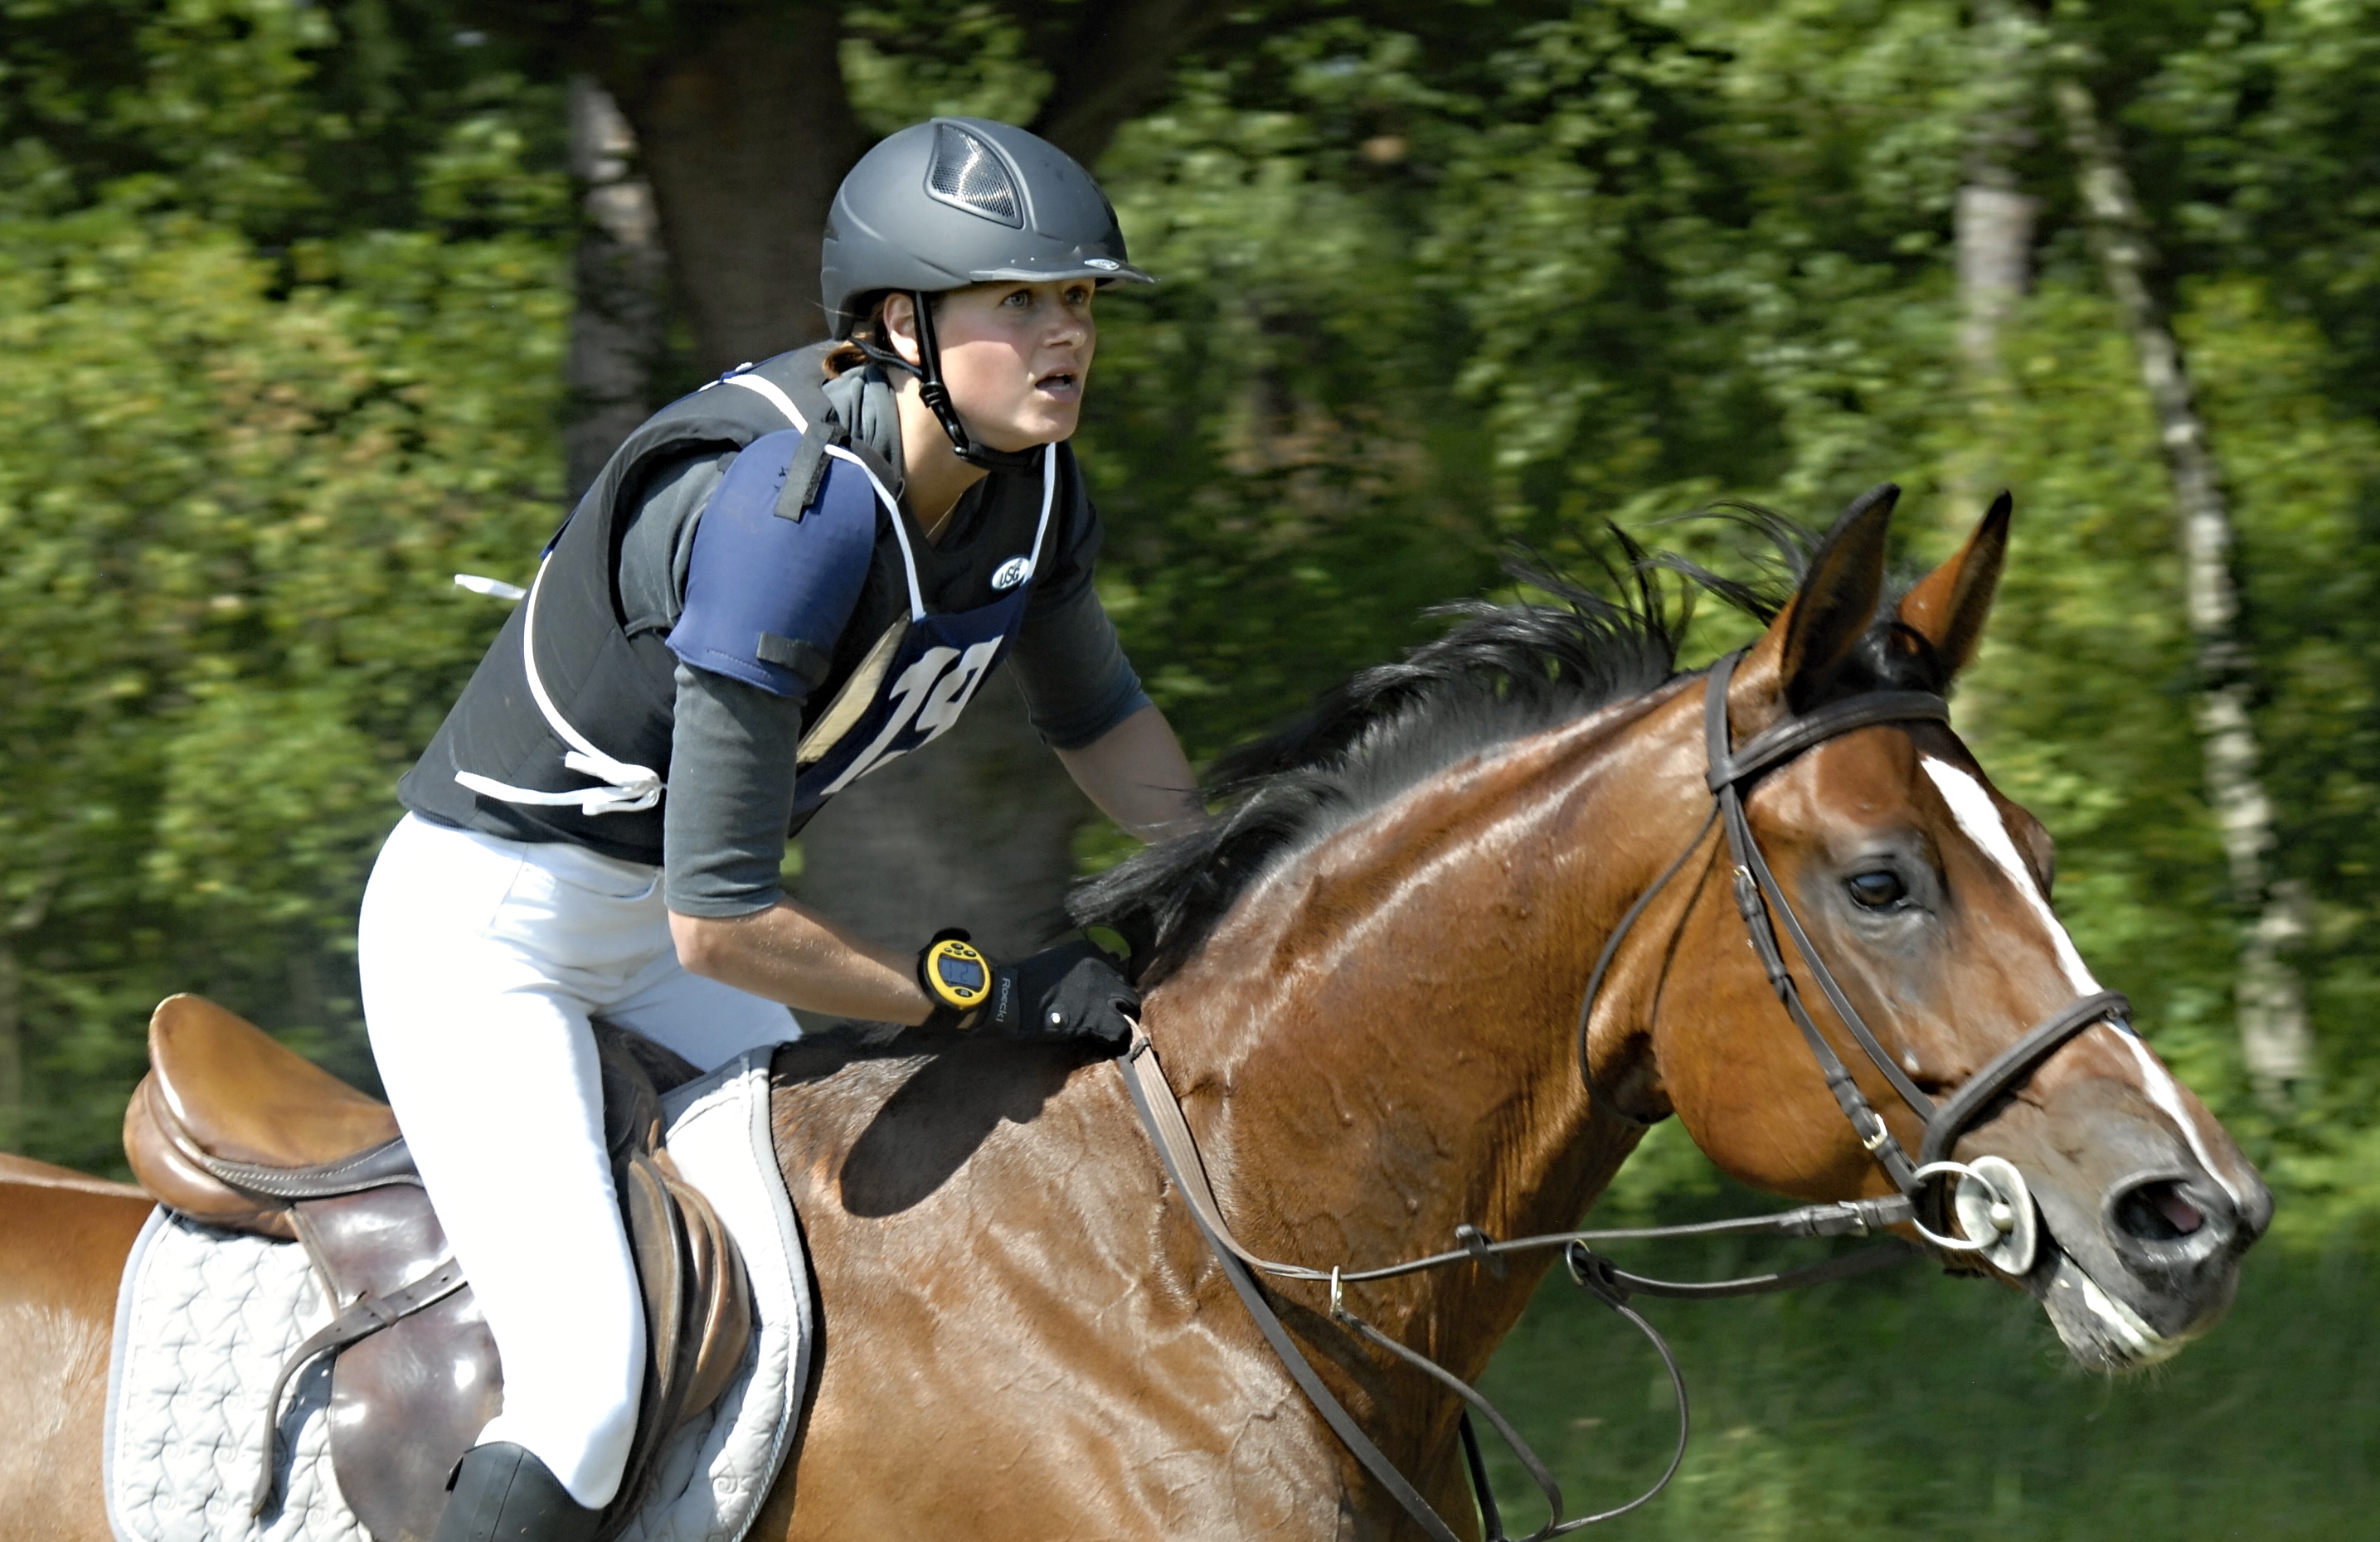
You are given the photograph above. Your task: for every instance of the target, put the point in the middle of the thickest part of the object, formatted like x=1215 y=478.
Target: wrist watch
x=956 y=978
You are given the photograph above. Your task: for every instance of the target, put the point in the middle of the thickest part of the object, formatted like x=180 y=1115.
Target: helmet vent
x=966 y=172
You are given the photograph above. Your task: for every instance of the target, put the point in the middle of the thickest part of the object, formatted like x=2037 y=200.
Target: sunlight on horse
x=1364 y=983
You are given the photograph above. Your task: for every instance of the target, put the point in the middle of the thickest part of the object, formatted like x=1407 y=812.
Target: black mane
x=1506 y=671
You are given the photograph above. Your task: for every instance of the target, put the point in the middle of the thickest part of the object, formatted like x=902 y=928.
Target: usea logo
x=1104 y=265
x=1013 y=572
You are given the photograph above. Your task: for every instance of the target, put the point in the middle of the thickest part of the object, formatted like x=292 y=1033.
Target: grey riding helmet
x=960 y=201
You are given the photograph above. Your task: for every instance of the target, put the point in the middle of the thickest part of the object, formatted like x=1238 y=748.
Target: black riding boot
x=501 y=1493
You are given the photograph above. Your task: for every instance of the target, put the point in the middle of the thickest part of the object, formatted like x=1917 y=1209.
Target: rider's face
x=1015 y=356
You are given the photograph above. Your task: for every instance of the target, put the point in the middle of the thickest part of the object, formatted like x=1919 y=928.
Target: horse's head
x=1926 y=893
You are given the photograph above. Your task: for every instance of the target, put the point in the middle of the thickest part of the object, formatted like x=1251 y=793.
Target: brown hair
x=848 y=355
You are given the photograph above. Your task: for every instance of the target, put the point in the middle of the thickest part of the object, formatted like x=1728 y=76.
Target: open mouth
x=2097 y=1326
x=1063 y=383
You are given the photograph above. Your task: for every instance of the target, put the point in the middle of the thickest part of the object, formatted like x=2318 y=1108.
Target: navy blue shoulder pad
x=767 y=593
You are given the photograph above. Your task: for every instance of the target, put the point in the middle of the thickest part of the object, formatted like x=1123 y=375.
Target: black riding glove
x=1069 y=991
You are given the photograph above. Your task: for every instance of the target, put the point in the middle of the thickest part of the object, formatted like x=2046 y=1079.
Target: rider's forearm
x=788 y=955
x=1138 y=776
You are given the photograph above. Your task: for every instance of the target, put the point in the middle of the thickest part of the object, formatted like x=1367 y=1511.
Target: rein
x=1759 y=899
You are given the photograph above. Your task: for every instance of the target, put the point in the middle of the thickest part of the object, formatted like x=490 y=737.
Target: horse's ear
x=1831 y=610
x=1949 y=607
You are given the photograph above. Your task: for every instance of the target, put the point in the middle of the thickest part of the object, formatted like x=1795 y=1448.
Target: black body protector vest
x=519 y=752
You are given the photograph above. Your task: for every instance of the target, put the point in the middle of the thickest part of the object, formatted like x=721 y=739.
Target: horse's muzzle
x=2142 y=1241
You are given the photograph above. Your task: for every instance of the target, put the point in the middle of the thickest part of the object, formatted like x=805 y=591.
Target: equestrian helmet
x=960 y=200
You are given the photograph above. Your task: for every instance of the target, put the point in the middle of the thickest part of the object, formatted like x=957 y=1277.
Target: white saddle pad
x=205 y=1318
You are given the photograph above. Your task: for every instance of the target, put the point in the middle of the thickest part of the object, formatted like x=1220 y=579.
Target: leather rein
x=1760 y=900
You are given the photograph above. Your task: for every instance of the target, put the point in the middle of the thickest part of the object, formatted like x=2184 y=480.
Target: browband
x=1785 y=740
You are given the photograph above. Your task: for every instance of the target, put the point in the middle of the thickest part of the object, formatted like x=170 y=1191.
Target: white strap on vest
x=776 y=396
x=626 y=789
x=901 y=531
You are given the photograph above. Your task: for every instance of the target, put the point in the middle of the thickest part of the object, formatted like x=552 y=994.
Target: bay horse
x=1364 y=980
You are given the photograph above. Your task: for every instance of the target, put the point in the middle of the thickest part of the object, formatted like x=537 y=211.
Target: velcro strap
x=806 y=472
x=808 y=661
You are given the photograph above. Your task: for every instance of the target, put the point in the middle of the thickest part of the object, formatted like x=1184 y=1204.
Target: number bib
x=922 y=674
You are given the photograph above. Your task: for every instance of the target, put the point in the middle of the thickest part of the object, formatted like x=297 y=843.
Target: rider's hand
x=1068 y=991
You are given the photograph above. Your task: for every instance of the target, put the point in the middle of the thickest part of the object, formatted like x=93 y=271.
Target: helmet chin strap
x=937 y=397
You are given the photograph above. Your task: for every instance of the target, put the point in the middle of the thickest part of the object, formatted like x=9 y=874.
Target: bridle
x=2001 y=1204
x=1761 y=900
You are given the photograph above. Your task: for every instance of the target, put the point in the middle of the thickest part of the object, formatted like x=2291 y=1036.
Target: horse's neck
x=1377 y=1046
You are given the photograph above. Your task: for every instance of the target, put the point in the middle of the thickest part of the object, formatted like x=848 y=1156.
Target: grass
x=1913 y=1405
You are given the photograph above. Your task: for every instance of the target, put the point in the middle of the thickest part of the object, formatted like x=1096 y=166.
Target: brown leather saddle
x=234 y=1130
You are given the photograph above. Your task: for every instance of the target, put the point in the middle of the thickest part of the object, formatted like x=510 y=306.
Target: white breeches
x=482 y=960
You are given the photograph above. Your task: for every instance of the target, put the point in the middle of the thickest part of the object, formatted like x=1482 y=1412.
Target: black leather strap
x=1843 y=1266
x=1227 y=1258
x=1595 y=1093
x=2012 y=1065
x=364 y=1317
x=1783 y=741
x=1759 y=898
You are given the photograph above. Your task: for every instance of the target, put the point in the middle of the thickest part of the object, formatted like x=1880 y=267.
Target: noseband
x=1761 y=900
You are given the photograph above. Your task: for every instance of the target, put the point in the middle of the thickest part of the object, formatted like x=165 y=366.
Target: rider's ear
x=1837 y=600
x=899 y=313
x=1949 y=608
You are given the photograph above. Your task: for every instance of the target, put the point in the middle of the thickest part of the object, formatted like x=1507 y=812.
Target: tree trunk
x=1115 y=65
x=1994 y=242
x=619 y=325
x=747 y=132
x=1992 y=225
x=975 y=830
x=2274 y=1037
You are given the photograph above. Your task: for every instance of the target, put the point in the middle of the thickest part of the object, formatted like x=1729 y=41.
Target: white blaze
x=1979 y=817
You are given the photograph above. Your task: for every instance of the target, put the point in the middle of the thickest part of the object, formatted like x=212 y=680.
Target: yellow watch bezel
x=957 y=997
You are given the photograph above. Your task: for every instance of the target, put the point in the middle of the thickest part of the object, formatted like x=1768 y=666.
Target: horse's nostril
x=2158 y=1212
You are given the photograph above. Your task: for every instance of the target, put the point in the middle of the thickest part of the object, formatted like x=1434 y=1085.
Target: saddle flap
x=407 y=1402
x=719 y=1304
x=241 y=1096
x=658 y=1240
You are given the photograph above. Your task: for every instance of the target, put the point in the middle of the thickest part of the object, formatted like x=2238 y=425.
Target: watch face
x=958 y=974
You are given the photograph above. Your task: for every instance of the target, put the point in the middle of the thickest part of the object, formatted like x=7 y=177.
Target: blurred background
x=305 y=307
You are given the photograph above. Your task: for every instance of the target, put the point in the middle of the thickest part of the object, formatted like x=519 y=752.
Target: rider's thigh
x=708 y=1022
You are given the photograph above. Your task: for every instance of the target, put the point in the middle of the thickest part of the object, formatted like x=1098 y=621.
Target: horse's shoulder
x=881 y=1126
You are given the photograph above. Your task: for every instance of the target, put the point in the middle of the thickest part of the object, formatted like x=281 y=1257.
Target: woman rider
x=777 y=584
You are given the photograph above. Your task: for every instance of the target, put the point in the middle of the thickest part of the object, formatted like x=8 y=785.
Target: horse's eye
x=1877 y=890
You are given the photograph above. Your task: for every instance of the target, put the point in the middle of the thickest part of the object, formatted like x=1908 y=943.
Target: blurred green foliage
x=282 y=306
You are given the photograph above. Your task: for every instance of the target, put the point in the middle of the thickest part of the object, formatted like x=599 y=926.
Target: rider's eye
x=1877 y=889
